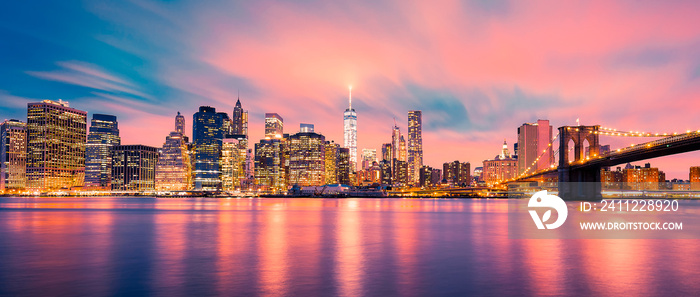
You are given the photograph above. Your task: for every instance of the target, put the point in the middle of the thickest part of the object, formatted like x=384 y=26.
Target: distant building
x=369 y=156
x=306 y=128
x=478 y=174
x=695 y=178
x=208 y=131
x=343 y=165
x=426 y=173
x=534 y=142
x=331 y=162
x=456 y=173
x=435 y=177
x=387 y=152
x=400 y=177
x=231 y=166
x=501 y=168
x=385 y=175
x=239 y=120
x=611 y=179
x=13 y=155
x=56 y=136
x=643 y=178
x=174 y=167
x=104 y=133
x=274 y=125
x=307 y=159
x=270 y=171
x=133 y=167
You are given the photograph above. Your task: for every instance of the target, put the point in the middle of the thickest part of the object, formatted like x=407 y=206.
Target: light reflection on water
x=311 y=247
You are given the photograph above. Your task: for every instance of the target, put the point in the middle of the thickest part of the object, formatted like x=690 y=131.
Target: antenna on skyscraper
x=350 y=97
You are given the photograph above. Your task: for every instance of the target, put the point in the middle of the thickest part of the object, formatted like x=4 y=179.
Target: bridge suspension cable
x=615 y=132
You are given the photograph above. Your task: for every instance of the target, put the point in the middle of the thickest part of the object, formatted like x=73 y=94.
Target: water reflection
x=308 y=247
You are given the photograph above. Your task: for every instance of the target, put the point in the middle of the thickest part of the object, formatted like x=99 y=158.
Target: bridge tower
x=576 y=182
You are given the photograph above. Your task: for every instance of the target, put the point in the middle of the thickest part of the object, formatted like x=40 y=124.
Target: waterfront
x=317 y=247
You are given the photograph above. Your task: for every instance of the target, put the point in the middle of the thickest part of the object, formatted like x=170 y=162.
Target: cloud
x=89 y=76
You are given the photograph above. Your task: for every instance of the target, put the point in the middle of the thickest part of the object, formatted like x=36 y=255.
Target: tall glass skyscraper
x=13 y=155
x=415 y=145
x=56 y=135
x=104 y=134
x=307 y=159
x=350 y=132
x=207 y=136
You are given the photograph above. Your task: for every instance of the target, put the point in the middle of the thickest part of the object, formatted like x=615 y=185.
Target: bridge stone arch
x=578 y=134
x=578 y=183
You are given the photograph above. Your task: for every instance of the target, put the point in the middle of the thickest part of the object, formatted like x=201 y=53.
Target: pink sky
x=477 y=69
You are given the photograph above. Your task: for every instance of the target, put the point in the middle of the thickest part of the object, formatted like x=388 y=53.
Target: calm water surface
x=317 y=247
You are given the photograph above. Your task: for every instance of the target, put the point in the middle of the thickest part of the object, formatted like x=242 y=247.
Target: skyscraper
x=368 y=157
x=239 y=132
x=239 y=120
x=307 y=159
x=104 y=133
x=331 y=162
x=230 y=163
x=56 y=135
x=13 y=155
x=270 y=172
x=350 y=132
x=415 y=145
x=274 y=125
x=533 y=142
x=134 y=167
x=343 y=166
x=174 y=168
x=207 y=135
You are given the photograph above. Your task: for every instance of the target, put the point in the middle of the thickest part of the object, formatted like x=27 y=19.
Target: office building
x=270 y=160
x=306 y=128
x=104 y=133
x=307 y=159
x=207 y=135
x=13 y=156
x=415 y=145
x=343 y=166
x=274 y=125
x=502 y=168
x=56 y=136
x=534 y=142
x=331 y=162
x=174 y=167
x=133 y=167
x=456 y=173
x=369 y=156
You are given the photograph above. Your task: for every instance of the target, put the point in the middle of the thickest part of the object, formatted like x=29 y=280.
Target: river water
x=318 y=247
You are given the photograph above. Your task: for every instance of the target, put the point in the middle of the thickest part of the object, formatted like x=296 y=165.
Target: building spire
x=350 y=97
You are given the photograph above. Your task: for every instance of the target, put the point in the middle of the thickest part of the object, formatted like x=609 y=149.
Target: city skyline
x=481 y=81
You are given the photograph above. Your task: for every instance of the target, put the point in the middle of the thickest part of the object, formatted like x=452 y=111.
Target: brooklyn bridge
x=579 y=178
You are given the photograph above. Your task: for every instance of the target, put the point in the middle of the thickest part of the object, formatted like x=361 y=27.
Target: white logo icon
x=541 y=199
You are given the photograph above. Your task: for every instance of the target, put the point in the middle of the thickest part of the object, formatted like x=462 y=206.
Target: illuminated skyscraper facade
x=307 y=159
x=350 y=132
x=56 y=136
x=134 y=167
x=274 y=125
x=270 y=171
x=13 y=155
x=415 y=145
x=369 y=156
x=174 y=168
x=239 y=132
x=231 y=169
x=239 y=120
x=104 y=133
x=331 y=162
x=533 y=142
x=207 y=135
x=343 y=166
